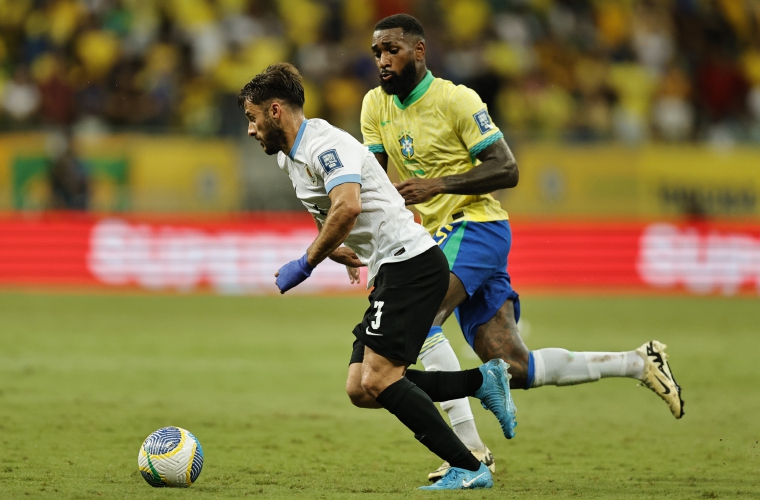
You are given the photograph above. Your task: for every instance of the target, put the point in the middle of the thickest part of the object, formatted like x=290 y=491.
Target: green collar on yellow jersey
x=418 y=92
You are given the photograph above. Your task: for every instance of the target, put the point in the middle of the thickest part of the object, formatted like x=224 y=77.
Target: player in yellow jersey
x=449 y=156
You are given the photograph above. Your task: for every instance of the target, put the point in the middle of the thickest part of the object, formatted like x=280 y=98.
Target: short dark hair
x=278 y=81
x=409 y=24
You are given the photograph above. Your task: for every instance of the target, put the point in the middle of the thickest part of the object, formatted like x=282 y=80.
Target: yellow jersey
x=437 y=131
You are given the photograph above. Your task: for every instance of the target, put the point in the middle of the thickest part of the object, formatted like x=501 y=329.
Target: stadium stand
x=577 y=70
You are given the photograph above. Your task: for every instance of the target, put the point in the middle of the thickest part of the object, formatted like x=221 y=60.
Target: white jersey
x=323 y=157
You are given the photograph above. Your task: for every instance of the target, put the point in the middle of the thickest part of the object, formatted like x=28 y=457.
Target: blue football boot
x=494 y=395
x=463 y=479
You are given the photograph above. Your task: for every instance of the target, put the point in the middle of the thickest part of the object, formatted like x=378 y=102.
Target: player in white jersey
x=384 y=230
x=353 y=202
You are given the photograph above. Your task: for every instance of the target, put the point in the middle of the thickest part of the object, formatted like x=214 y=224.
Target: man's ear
x=275 y=109
x=419 y=50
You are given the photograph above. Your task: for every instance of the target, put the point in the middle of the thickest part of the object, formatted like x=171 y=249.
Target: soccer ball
x=171 y=456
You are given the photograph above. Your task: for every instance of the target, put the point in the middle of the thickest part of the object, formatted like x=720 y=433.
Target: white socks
x=468 y=433
x=441 y=357
x=555 y=366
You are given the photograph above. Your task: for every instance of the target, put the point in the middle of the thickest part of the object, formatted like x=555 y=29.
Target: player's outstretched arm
x=346 y=207
x=343 y=255
x=498 y=170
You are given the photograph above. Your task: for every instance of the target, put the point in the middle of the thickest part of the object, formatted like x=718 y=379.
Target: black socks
x=445 y=386
x=415 y=409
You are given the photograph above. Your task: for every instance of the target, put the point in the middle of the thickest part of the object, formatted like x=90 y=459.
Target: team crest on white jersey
x=483 y=121
x=310 y=174
x=330 y=160
x=407 y=145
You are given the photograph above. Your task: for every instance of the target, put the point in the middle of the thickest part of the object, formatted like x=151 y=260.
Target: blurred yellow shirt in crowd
x=302 y=19
x=751 y=66
x=98 y=51
x=614 y=22
x=465 y=19
x=190 y=13
x=635 y=86
x=14 y=12
x=63 y=20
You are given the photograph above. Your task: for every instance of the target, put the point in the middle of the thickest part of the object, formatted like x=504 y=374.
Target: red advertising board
x=240 y=254
x=703 y=257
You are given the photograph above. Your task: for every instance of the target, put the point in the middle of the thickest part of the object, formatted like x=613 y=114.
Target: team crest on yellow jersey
x=407 y=145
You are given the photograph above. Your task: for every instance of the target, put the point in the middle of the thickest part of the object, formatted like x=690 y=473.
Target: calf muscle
x=500 y=338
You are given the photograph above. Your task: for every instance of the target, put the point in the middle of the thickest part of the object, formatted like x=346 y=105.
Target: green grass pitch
x=260 y=381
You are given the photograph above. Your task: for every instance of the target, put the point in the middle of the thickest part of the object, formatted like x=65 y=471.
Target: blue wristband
x=304 y=261
x=293 y=273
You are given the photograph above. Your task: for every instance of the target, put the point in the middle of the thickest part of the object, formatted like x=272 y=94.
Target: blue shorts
x=477 y=254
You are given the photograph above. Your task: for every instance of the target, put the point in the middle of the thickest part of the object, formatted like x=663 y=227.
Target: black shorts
x=402 y=306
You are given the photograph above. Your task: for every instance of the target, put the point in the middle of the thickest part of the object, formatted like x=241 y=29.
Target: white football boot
x=659 y=378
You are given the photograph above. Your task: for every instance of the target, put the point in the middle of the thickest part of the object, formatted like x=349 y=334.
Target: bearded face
x=271 y=136
x=265 y=129
x=394 y=83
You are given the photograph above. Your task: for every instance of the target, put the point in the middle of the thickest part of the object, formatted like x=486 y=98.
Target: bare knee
x=361 y=399
x=377 y=373
x=372 y=384
x=356 y=393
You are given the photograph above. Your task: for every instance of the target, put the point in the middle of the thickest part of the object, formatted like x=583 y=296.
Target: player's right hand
x=419 y=190
x=293 y=273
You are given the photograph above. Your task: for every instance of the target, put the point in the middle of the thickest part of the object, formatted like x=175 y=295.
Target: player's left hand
x=419 y=190
x=353 y=275
x=346 y=256
x=293 y=273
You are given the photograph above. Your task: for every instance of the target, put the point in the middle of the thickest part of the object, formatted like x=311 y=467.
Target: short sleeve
x=472 y=122
x=337 y=159
x=370 y=125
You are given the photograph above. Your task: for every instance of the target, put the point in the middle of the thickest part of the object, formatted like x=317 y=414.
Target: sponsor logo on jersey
x=407 y=145
x=483 y=121
x=330 y=160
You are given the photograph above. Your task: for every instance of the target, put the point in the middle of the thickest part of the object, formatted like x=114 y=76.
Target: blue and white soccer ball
x=171 y=456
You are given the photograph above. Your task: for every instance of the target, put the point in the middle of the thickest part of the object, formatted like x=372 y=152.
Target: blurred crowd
x=576 y=70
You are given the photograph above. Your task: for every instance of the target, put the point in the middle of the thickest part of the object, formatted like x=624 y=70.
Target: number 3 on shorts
x=378 y=313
